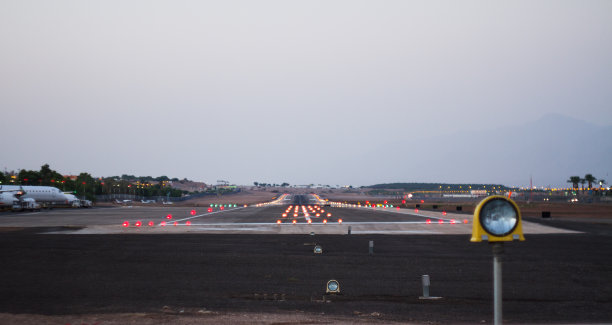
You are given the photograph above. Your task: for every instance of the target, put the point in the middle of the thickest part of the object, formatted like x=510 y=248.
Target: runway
x=300 y=214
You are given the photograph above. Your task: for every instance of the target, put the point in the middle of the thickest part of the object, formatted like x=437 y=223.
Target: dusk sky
x=296 y=91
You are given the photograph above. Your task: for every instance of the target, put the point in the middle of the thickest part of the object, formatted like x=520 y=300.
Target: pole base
x=430 y=298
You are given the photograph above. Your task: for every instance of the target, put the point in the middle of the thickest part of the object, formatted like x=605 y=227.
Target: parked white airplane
x=42 y=194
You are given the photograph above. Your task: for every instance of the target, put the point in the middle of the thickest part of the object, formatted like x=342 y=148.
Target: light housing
x=497 y=218
x=333 y=286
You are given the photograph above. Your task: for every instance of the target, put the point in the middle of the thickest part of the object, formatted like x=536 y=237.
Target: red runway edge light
x=126 y=224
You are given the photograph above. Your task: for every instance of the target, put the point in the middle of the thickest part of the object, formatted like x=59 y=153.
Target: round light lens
x=498 y=217
x=333 y=286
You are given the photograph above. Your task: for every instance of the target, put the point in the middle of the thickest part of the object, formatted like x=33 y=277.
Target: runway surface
x=290 y=214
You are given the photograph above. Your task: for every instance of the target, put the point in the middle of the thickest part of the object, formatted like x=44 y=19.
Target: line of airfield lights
x=307 y=211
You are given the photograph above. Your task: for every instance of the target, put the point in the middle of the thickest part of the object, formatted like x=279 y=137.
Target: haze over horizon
x=334 y=92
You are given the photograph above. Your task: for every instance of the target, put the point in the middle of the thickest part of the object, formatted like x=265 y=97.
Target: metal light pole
x=498 y=251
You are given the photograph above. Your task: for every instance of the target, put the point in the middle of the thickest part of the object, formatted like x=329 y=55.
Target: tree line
x=588 y=179
x=85 y=185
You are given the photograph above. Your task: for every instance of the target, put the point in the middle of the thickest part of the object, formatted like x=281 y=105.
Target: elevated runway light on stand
x=497 y=219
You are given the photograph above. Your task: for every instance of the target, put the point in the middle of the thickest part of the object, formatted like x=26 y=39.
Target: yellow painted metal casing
x=480 y=234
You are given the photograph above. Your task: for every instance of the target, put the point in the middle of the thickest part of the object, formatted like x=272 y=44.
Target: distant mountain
x=549 y=149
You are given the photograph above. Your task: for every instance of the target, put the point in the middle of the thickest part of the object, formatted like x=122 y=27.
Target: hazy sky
x=295 y=91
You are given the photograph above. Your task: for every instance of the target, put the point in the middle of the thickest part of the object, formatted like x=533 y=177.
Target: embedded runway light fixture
x=318 y=249
x=333 y=286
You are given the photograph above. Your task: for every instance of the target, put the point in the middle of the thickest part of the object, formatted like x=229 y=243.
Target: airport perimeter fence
x=121 y=197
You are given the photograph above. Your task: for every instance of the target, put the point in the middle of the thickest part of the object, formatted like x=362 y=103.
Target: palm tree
x=590 y=179
x=574 y=180
x=582 y=182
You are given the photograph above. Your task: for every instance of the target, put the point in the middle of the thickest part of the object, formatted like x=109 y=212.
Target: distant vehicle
x=27 y=204
x=73 y=201
x=147 y=201
x=167 y=202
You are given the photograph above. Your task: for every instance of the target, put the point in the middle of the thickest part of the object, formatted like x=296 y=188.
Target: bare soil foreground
x=276 y=279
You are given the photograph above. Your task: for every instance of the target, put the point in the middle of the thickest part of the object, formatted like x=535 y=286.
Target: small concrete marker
x=426 y=285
